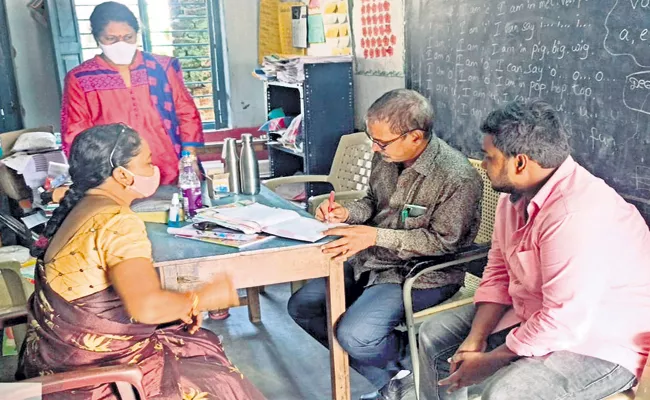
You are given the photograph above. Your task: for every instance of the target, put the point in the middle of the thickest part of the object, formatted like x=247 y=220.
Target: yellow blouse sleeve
x=123 y=237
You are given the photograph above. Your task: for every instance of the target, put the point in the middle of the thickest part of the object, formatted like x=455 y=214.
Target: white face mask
x=120 y=53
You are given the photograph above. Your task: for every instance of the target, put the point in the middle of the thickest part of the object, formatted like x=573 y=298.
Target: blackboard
x=589 y=58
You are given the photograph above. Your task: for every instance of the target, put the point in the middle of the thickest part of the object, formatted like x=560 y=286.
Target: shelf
x=280 y=147
x=326 y=91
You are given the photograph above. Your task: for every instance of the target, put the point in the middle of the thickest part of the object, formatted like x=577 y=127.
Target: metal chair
x=348 y=176
x=475 y=252
x=125 y=377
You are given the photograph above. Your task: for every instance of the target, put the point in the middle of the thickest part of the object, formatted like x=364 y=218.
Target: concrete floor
x=277 y=356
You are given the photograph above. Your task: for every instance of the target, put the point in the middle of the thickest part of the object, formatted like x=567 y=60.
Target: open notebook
x=256 y=218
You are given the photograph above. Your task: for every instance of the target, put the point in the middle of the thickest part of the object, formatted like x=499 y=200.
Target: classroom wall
x=367 y=89
x=246 y=92
x=35 y=76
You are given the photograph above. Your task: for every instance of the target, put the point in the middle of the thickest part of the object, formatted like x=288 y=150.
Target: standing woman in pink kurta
x=143 y=90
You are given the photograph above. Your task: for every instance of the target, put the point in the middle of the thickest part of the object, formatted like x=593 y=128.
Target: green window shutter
x=65 y=36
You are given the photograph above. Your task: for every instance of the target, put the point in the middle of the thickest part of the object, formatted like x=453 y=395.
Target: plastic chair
x=13 y=299
x=348 y=176
x=125 y=377
x=475 y=252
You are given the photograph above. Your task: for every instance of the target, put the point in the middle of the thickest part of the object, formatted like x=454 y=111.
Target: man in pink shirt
x=563 y=308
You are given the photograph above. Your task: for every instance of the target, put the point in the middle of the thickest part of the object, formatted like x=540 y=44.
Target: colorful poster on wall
x=336 y=25
x=379 y=37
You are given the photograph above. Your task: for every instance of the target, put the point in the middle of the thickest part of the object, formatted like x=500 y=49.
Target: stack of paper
x=258 y=218
x=292 y=70
x=223 y=237
x=270 y=66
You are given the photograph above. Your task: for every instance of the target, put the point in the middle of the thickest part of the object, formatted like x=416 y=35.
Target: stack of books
x=221 y=236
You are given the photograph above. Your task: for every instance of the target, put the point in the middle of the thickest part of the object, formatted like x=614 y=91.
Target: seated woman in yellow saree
x=98 y=300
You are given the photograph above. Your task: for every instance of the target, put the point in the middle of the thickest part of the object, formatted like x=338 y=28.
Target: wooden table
x=185 y=264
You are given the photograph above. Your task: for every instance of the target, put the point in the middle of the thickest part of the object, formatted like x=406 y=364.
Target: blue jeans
x=559 y=375
x=367 y=329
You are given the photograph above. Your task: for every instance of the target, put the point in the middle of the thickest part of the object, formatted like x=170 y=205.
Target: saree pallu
x=96 y=331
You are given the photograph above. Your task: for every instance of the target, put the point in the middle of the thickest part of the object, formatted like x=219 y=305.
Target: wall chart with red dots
x=379 y=37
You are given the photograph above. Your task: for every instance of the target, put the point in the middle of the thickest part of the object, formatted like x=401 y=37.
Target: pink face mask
x=145 y=185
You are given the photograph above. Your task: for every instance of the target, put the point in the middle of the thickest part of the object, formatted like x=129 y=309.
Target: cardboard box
x=11 y=183
x=34 y=167
x=8 y=139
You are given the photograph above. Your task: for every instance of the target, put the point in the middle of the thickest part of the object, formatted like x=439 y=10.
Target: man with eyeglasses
x=423 y=199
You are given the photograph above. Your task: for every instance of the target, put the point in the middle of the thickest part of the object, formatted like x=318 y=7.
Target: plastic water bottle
x=190 y=185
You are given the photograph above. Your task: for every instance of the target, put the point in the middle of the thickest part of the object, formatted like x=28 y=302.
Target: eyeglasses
x=383 y=145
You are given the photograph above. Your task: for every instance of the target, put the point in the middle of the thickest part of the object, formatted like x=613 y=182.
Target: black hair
x=91 y=155
x=404 y=110
x=532 y=128
x=111 y=11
